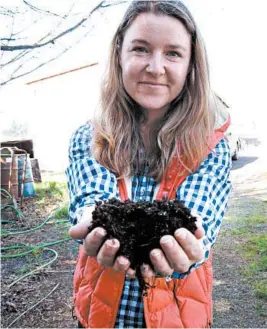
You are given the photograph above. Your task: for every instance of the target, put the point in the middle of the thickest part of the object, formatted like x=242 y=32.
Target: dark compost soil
x=140 y=225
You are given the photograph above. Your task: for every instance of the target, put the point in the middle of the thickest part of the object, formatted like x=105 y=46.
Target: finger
x=200 y=232
x=121 y=264
x=80 y=230
x=146 y=271
x=93 y=241
x=107 y=253
x=160 y=263
x=190 y=244
x=131 y=273
x=175 y=254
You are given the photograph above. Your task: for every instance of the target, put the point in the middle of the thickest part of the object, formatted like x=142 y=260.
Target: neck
x=150 y=127
x=153 y=118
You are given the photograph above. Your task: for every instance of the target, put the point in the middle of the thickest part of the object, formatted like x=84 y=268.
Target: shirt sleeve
x=207 y=191
x=88 y=181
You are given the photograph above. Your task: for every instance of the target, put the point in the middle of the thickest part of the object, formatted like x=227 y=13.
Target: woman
x=159 y=134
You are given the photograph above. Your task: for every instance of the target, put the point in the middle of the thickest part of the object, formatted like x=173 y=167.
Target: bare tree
x=34 y=36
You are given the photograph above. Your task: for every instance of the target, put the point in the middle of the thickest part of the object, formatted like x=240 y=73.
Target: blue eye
x=173 y=54
x=140 y=49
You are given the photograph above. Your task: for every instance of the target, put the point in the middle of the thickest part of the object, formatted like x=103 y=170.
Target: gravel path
x=235 y=305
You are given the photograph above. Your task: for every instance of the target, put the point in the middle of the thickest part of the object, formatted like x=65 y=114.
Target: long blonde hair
x=189 y=121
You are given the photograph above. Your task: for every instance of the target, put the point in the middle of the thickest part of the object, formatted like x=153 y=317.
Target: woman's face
x=155 y=57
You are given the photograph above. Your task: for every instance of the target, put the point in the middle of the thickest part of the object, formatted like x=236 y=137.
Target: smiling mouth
x=152 y=84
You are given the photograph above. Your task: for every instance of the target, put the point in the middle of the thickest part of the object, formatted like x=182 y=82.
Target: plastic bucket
x=28 y=186
x=6 y=174
x=9 y=173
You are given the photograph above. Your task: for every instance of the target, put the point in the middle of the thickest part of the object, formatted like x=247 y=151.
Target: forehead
x=158 y=28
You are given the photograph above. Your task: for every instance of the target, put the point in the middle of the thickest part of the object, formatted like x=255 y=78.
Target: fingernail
x=123 y=261
x=166 y=240
x=180 y=234
x=155 y=253
x=101 y=232
x=112 y=243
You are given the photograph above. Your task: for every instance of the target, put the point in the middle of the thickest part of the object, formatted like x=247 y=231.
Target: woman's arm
x=205 y=192
x=88 y=181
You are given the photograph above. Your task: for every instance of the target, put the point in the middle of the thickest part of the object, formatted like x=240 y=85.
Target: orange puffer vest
x=179 y=303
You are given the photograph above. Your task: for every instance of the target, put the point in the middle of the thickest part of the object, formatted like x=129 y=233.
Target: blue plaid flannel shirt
x=206 y=191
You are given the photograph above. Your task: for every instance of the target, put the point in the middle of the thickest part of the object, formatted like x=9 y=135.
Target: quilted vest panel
x=180 y=303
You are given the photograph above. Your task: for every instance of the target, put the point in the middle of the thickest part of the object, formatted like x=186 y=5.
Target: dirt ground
x=235 y=304
x=44 y=299
x=55 y=311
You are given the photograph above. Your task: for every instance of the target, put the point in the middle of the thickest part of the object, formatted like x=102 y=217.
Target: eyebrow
x=174 y=46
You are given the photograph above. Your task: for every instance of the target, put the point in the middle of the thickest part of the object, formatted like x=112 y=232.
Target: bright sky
x=235 y=36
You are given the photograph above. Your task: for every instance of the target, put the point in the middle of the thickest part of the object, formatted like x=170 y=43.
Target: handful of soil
x=140 y=225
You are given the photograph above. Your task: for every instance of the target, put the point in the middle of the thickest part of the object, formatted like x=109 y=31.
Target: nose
x=156 y=65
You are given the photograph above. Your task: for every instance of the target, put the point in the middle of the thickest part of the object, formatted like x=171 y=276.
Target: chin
x=153 y=107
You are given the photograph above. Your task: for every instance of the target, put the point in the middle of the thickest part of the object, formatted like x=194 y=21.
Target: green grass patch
x=52 y=189
x=242 y=231
x=255 y=252
x=251 y=219
x=262 y=308
x=252 y=234
x=261 y=289
x=65 y=235
x=62 y=212
x=246 y=226
x=257 y=219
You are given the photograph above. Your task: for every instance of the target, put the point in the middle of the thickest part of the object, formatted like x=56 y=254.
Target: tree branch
x=38 y=10
x=7 y=12
x=114 y=3
x=21 y=70
x=52 y=41
x=41 y=65
x=58 y=25
x=14 y=59
x=7 y=39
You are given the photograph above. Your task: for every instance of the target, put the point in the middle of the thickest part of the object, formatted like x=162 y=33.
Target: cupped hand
x=178 y=252
x=92 y=243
